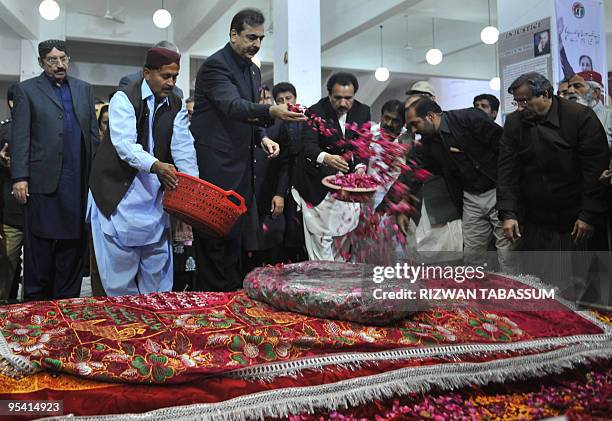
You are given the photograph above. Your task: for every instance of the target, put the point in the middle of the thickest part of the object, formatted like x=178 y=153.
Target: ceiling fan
x=107 y=15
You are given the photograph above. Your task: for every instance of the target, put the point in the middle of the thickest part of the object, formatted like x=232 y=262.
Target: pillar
x=297 y=53
x=184 y=78
x=55 y=29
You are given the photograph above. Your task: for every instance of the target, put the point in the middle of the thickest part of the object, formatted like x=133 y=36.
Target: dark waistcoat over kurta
x=111 y=177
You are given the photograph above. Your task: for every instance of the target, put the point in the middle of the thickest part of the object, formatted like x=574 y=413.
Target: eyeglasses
x=520 y=102
x=54 y=61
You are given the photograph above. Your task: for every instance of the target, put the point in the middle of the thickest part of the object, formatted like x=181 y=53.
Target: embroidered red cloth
x=176 y=337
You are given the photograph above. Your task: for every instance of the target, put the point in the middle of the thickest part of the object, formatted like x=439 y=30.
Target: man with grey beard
x=585 y=88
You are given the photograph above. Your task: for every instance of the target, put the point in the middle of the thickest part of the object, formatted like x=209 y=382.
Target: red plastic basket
x=203 y=205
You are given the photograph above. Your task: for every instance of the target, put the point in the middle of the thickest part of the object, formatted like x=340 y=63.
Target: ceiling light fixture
x=162 y=18
x=495 y=83
x=382 y=73
x=49 y=9
x=489 y=34
x=434 y=56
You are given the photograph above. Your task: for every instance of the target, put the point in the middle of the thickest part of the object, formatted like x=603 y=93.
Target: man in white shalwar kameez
x=130 y=229
x=327 y=220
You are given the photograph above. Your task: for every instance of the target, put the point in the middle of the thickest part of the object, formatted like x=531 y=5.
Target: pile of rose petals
x=388 y=159
x=355 y=181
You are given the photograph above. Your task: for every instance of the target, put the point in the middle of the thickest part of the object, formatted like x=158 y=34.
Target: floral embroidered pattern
x=170 y=337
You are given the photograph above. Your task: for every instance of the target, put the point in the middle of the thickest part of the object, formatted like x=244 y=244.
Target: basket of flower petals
x=351 y=187
x=203 y=205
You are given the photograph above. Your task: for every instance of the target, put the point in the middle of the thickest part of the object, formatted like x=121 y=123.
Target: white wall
x=459 y=93
x=452 y=93
x=102 y=64
x=218 y=34
x=21 y=16
x=100 y=74
x=395 y=90
x=609 y=49
x=10 y=50
x=4 y=110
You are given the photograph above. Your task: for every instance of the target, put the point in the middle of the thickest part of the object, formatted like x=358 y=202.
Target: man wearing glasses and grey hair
x=54 y=131
x=551 y=156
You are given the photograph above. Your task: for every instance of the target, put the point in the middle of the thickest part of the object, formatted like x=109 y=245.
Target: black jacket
x=226 y=121
x=309 y=173
x=12 y=211
x=37 y=137
x=476 y=136
x=549 y=171
x=273 y=177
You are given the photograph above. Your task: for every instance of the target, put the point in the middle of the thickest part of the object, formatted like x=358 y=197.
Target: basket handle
x=236 y=200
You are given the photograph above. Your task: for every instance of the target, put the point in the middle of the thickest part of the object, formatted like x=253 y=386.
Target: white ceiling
x=458 y=22
x=349 y=31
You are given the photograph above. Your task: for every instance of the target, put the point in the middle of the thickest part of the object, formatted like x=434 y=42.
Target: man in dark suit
x=53 y=136
x=277 y=234
x=322 y=156
x=462 y=146
x=290 y=140
x=549 y=195
x=139 y=75
x=226 y=127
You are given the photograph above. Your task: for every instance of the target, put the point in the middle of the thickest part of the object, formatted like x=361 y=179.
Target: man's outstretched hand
x=282 y=112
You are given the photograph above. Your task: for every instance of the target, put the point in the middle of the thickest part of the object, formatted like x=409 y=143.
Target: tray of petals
x=351 y=187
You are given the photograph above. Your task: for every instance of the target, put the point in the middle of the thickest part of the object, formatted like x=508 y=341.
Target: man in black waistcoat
x=148 y=134
x=54 y=133
x=226 y=125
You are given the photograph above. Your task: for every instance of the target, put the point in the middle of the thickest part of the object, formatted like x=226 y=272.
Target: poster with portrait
x=581 y=33
x=521 y=50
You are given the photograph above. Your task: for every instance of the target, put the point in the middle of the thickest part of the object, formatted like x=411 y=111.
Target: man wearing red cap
x=148 y=129
x=586 y=89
